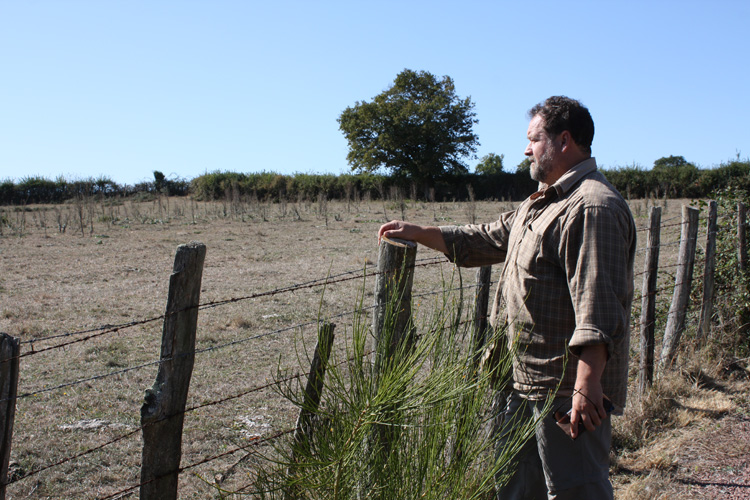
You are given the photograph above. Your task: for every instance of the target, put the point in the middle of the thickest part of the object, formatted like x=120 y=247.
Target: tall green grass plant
x=418 y=425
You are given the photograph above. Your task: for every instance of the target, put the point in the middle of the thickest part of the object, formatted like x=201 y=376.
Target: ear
x=566 y=140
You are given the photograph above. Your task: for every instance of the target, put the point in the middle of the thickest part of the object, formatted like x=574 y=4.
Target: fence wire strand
x=217 y=347
x=105 y=329
x=255 y=442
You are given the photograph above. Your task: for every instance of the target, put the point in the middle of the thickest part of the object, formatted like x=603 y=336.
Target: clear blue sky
x=122 y=88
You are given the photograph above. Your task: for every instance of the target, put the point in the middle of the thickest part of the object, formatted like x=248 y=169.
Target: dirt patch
x=706 y=456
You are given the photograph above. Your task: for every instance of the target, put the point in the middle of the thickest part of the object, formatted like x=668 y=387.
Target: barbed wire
x=319 y=282
x=73 y=457
x=140 y=428
x=187 y=410
x=353 y=274
x=346 y=276
x=220 y=346
x=660 y=245
x=660 y=268
x=255 y=442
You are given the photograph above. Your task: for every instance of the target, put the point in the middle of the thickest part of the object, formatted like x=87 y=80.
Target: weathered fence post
x=683 y=282
x=10 y=348
x=481 y=306
x=313 y=389
x=741 y=236
x=648 y=301
x=391 y=322
x=162 y=413
x=392 y=328
x=709 y=271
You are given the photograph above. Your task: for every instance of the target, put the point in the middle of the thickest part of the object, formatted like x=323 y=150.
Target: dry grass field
x=111 y=266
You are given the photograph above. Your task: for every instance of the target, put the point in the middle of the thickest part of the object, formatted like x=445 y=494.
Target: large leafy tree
x=417 y=129
x=490 y=164
x=675 y=175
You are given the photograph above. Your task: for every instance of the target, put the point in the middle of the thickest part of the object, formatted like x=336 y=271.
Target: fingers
x=388 y=228
x=585 y=412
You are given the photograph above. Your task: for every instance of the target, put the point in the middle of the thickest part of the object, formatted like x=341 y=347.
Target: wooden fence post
x=391 y=322
x=313 y=389
x=10 y=348
x=741 y=236
x=648 y=301
x=481 y=306
x=683 y=282
x=162 y=413
x=709 y=272
x=392 y=327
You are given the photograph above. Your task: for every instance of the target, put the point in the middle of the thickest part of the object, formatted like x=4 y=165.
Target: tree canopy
x=418 y=129
x=674 y=174
x=524 y=166
x=490 y=164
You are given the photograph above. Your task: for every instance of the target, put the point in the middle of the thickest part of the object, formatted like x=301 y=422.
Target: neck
x=566 y=163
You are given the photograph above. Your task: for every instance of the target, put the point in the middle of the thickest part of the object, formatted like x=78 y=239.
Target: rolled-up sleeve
x=596 y=248
x=475 y=245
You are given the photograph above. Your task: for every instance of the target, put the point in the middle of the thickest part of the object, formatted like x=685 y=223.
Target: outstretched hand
x=426 y=235
x=399 y=229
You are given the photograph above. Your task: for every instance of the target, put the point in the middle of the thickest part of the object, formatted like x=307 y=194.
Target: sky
x=121 y=88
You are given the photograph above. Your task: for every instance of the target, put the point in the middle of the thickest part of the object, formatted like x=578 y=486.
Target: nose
x=528 y=151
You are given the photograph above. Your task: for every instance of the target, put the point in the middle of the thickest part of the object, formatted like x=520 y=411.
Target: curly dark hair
x=562 y=113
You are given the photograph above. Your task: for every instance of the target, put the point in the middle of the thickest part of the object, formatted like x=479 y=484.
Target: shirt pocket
x=529 y=250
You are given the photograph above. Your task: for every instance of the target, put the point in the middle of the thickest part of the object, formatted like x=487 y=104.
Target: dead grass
x=682 y=428
x=55 y=282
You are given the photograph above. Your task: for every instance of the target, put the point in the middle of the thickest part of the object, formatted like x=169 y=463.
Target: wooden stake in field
x=683 y=281
x=163 y=411
x=741 y=236
x=481 y=306
x=303 y=432
x=392 y=324
x=648 y=301
x=393 y=285
x=10 y=348
x=314 y=387
x=709 y=272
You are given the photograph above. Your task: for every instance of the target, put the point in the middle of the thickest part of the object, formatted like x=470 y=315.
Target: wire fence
x=33 y=348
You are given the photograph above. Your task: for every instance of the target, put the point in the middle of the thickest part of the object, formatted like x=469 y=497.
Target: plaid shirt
x=567 y=279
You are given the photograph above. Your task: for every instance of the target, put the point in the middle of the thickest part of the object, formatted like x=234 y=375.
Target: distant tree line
x=271 y=186
x=674 y=177
x=670 y=177
x=36 y=189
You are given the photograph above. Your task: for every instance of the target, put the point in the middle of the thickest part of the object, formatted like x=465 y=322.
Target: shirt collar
x=570 y=178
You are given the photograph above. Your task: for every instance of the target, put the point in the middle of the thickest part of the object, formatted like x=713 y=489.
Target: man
x=565 y=294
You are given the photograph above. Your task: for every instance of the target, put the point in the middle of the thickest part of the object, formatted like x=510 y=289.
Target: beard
x=541 y=168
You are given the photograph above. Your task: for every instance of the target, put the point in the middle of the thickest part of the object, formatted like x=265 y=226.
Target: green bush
x=414 y=425
x=671 y=177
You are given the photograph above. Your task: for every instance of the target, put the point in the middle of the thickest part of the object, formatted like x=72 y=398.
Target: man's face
x=542 y=150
